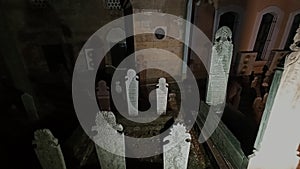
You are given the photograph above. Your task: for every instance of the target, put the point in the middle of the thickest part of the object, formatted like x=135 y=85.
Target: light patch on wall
x=116 y=35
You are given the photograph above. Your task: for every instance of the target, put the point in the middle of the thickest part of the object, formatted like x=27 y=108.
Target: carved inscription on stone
x=176 y=151
x=132 y=91
x=219 y=67
x=110 y=137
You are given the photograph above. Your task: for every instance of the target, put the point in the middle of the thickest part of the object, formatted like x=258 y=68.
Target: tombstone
x=48 y=150
x=172 y=103
x=176 y=151
x=220 y=65
x=258 y=107
x=162 y=96
x=269 y=104
x=266 y=83
x=103 y=96
x=109 y=136
x=118 y=87
x=132 y=92
x=255 y=84
x=30 y=107
x=281 y=137
x=234 y=95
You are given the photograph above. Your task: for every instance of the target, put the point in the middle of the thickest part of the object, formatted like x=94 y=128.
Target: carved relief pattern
x=291 y=76
x=132 y=89
x=109 y=138
x=176 y=151
x=48 y=150
x=220 y=65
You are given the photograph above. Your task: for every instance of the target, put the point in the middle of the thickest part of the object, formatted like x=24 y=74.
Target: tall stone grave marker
x=109 y=136
x=172 y=102
x=48 y=150
x=219 y=67
x=30 y=107
x=281 y=137
x=162 y=96
x=176 y=151
x=132 y=92
x=103 y=96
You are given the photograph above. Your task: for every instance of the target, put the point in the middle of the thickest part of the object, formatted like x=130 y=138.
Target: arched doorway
x=229 y=19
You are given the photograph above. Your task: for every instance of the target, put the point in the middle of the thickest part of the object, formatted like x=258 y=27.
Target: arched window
x=264 y=35
x=292 y=32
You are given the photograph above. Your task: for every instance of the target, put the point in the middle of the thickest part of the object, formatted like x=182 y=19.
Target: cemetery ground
x=18 y=152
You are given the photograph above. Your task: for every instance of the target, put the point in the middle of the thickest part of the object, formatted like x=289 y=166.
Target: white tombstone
x=219 y=67
x=30 y=107
x=176 y=151
x=279 y=144
x=109 y=137
x=132 y=92
x=162 y=96
x=48 y=150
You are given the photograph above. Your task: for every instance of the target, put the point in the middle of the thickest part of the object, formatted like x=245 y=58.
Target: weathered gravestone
x=48 y=150
x=118 y=87
x=162 y=96
x=176 y=151
x=269 y=104
x=281 y=134
x=103 y=96
x=219 y=67
x=234 y=95
x=258 y=107
x=172 y=103
x=109 y=137
x=132 y=92
x=30 y=107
